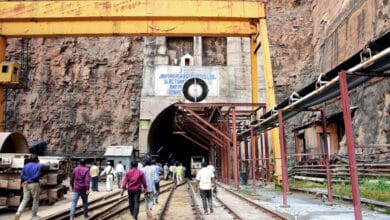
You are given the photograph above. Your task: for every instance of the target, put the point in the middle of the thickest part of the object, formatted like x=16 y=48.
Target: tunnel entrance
x=167 y=147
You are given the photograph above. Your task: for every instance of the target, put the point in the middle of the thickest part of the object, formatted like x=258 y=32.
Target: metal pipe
x=320 y=90
x=350 y=143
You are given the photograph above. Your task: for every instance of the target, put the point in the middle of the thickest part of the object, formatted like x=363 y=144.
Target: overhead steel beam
x=224 y=104
x=197 y=124
x=130 y=18
x=127 y=28
x=209 y=125
x=63 y=10
x=197 y=135
x=191 y=139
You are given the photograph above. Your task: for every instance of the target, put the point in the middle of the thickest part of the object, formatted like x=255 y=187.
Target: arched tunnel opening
x=169 y=147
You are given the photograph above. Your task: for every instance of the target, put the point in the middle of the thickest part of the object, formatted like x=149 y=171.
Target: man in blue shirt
x=30 y=182
x=158 y=170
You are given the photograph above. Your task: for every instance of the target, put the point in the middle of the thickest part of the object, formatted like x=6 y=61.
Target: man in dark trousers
x=79 y=182
x=135 y=182
x=205 y=181
x=30 y=182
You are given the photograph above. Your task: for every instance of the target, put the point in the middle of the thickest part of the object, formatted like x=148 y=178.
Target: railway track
x=243 y=208
x=182 y=196
x=105 y=207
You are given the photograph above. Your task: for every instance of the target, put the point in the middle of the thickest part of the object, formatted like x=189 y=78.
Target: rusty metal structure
x=335 y=84
x=14 y=153
x=214 y=127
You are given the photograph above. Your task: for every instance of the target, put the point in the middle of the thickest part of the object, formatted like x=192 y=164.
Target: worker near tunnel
x=119 y=171
x=31 y=189
x=134 y=181
x=150 y=177
x=109 y=171
x=205 y=181
x=79 y=182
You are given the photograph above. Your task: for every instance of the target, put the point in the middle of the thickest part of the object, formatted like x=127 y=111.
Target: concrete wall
x=231 y=84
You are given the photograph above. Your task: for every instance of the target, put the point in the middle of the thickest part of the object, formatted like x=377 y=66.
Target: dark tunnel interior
x=167 y=147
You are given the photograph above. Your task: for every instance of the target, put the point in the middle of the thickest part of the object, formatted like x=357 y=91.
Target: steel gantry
x=233 y=18
x=219 y=124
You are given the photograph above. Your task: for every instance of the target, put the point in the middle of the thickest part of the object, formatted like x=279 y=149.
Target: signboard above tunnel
x=169 y=80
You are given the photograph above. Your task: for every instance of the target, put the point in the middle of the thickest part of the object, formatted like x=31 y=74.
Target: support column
x=270 y=92
x=253 y=140
x=212 y=148
x=262 y=160
x=326 y=144
x=254 y=80
x=235 y=156
x=246 y=157
x=3 y=45
x=228 y=158
x=267 y=159
x=283 y=157
x=350 y=144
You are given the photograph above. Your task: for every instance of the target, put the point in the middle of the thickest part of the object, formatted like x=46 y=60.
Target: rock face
x=83 y=93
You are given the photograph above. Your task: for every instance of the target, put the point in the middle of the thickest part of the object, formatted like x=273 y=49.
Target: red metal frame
x=207 y=128
x=246 y=151
x=283 y=156
x=262 y=160
x=235 y=157
x=253 y=141
x=350 y=144
x=325 y=137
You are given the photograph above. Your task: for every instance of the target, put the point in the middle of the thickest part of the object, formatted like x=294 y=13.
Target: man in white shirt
x=150 y=177
x=110 y=173
x=205 y=181
x=119 y=170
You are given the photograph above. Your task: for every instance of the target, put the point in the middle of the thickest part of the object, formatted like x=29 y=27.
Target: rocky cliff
x=83 y=93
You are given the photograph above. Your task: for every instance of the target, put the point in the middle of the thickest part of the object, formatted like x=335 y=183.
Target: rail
x=272 y=214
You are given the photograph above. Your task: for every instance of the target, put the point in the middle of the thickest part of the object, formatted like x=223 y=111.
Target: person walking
x=109 y=172
x=119 y=171
x=94 y=173
x=166 y=171
x=150 y=176
x=79 y=183
x=205 y=181
x=134 y=181
x=179 y=171
x=31 y=189
x=172 y=169
x=158 y=170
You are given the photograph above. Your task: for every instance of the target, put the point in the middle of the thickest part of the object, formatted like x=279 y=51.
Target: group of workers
x=175 y=172
x=141 y=178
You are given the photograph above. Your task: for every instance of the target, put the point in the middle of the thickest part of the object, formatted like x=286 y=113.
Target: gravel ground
x=307 y=206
